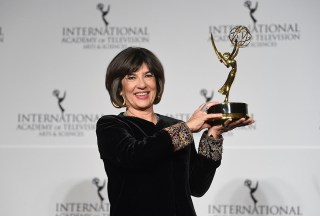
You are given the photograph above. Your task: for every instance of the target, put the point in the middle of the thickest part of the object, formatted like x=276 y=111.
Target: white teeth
x=141 y=94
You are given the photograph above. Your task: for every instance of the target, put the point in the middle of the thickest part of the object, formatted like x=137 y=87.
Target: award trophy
x=240 y=37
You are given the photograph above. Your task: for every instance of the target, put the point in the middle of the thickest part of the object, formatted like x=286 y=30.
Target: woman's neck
x=147 y=115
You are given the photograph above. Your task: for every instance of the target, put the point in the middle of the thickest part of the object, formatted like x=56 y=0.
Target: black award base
x=229 y=110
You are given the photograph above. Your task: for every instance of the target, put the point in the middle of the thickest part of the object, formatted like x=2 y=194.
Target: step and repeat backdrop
x=53 y=58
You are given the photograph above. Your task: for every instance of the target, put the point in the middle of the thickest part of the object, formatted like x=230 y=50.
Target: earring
x=124 y=101
x=115 y=105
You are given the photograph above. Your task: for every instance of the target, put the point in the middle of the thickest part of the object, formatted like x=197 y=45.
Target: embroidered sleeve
x=180 y=134
x=210 y=147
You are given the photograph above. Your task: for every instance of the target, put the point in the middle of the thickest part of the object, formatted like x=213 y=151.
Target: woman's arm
x=203 y=164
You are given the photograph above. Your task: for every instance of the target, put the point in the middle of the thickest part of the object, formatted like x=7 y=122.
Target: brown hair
x=126 y=62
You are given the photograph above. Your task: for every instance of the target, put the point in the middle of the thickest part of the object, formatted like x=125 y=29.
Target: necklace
x=155 y=117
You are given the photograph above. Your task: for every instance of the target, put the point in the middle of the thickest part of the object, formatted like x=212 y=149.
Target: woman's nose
x=141 y=83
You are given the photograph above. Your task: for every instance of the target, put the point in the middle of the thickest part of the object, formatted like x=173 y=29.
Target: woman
x=151 y=162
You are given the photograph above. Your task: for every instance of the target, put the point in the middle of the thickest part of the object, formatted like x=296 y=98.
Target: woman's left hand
x=228 y=125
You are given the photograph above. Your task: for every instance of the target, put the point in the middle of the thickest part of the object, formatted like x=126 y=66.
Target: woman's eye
x=149 y=74
x=131 y=77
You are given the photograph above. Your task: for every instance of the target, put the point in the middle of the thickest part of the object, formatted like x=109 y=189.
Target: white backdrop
x=59 y=50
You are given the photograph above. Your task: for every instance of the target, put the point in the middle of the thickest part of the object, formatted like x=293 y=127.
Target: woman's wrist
x=180 y=134
x=214 y=134
x=189 y=125
x=210 y=147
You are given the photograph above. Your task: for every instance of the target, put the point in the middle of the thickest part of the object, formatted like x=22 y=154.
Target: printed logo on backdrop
x=252 y=189
x=104 y=13
x=204 y=93
x=1 y=35
x=252 y=10
x=264 y=34
x=104 y=34
x=250 y=204
x=58 y=124
x=96 y=182
x=56 y=93
x=91 y=202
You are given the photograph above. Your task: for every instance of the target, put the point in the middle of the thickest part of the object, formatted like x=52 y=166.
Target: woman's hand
x=199 y=118
x=228 y=125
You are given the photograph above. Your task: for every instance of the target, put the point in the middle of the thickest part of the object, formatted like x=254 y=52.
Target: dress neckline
x=135 y=117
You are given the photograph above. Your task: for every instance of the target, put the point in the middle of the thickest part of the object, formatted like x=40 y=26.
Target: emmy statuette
x=240 y=37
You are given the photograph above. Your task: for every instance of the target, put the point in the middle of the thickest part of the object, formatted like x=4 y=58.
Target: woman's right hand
x=199 y=118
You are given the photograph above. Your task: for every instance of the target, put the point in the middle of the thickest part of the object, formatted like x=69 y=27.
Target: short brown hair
x=126 y=62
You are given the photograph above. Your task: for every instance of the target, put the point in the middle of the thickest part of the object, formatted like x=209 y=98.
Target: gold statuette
x=240 y=37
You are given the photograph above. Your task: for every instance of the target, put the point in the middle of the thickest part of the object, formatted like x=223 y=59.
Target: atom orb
x=240 y=36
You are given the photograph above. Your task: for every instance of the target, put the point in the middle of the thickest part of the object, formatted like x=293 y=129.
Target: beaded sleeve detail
x=210 y=147
x=180 y=134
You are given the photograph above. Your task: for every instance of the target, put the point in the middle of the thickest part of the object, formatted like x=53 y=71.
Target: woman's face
x=139 y=89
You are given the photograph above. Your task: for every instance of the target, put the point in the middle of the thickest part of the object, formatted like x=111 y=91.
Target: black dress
x=146 y=176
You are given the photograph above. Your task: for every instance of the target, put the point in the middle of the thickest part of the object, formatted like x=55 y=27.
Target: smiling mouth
x=142 y=94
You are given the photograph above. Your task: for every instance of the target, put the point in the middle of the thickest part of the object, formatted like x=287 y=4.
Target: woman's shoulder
x=109 y=119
